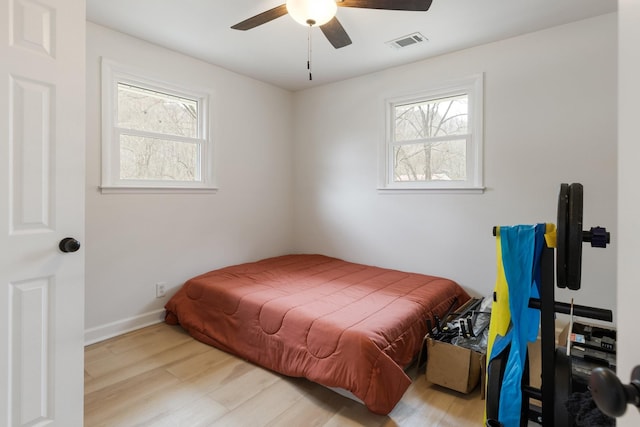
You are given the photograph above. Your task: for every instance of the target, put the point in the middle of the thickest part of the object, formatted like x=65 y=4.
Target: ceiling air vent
x=409 y=40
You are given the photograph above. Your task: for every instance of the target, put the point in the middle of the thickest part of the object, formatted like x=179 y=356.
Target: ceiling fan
x=321 y=13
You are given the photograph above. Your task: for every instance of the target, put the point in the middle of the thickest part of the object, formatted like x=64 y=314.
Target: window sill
x=156 y=190
x=435 y=190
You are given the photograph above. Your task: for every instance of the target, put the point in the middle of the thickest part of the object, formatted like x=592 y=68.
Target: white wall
x=136 y=240
x=550 y=117
x=299 y=172
x=629 y=203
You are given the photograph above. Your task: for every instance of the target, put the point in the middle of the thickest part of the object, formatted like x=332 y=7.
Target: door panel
x=30 y=361
x=42 y=132
x=29 y=162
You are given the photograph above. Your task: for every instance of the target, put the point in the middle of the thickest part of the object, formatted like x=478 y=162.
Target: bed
x=340 y=324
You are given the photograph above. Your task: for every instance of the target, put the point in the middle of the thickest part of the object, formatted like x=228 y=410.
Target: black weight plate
x=562 y=389
x=574 y=237
x=561 y=236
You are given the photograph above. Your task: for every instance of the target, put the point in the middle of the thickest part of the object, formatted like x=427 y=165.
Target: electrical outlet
x=161 y=289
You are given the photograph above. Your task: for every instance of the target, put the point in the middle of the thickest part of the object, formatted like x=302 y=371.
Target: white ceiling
x=276 y=52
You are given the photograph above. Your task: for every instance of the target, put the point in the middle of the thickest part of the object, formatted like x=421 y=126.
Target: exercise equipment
x=570 y=236
x=556 y=373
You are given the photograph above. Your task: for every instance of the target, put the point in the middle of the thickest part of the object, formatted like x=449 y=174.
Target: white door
x=628 y=200
x=42 y=131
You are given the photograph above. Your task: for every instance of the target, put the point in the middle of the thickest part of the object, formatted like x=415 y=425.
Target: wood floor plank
x=96 y=353
x=161 y=377
x=125 y=359
x=260 y=410
x=462 y=412
x=199 y=364
x=315 y=408
x=145 y=337
x=198 y=413
x=424 y=402
x=238 y=390
x=115 y=404
x=122 y=369
x=354 y=415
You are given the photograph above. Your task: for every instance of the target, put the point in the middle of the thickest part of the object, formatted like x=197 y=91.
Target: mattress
x=337 y=323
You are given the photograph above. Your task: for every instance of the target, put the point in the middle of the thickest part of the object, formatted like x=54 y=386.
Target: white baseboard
x=110 y=330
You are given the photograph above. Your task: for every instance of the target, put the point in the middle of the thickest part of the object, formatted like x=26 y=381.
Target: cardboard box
x=456 y=368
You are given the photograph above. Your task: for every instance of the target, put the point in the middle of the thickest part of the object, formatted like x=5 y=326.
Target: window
x=434 y=139
x=154 y=134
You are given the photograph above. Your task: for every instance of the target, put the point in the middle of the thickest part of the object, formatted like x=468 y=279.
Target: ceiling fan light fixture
x=312 y=12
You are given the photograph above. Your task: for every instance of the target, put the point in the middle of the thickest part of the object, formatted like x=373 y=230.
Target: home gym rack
x=556 y=376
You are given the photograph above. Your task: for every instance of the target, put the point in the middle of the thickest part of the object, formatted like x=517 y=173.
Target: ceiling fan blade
x=261 y=18
x=413 y=5
x=335 y=33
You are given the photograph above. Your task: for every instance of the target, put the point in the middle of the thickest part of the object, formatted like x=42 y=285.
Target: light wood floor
x=159 y=376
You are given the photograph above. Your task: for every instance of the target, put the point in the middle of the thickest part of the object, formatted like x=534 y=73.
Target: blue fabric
x=534 y=314
x=521 y=251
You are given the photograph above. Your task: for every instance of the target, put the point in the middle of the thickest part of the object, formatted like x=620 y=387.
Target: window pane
x=147 y=110
x=432 y=118
x=438 y=161
x=156 y=159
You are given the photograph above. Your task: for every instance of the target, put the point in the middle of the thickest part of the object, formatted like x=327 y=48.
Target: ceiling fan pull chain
x=309 y=51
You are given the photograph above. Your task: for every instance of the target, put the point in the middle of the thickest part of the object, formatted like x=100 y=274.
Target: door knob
x=69 y=244
x=610 y=395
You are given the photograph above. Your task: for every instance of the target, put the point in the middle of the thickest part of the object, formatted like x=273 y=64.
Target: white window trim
x=114 y=73
x=473 y=87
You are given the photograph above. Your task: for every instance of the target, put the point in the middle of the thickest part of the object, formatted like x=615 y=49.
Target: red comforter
x=337 y=323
